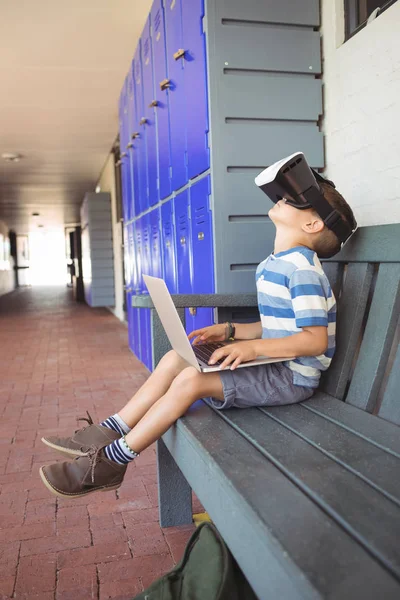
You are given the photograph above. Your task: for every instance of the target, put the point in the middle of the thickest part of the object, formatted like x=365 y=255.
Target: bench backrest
x=365 y=277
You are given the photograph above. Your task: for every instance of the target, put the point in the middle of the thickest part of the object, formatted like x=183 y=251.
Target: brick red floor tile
x=59 y=359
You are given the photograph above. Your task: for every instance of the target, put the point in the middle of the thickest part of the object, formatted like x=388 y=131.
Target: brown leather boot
x=83 y=439
x=84 y=475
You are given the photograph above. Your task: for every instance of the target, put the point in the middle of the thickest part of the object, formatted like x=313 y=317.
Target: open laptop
x=197 y=355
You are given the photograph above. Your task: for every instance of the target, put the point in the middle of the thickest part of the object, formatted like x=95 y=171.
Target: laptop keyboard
x=204 y=352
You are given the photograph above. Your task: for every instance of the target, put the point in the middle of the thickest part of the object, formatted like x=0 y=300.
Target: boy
x=297 y=318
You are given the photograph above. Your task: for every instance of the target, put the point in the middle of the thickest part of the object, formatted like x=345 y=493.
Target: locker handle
x=200 y=235
x=168 y=243
x=179 y=54
x=135 y=135
x=183 y=240
x=165 y=83
x=123 y=154
x=143 y=121
x=154 y=103
x=130 y=145
x=193 y=311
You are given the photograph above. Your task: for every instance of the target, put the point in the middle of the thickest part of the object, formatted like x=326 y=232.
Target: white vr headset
x=292 y=179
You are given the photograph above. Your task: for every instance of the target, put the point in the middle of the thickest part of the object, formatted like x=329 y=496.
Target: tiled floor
x=57 y=360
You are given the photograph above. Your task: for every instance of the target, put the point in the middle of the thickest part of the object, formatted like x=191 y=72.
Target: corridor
x=59 y=359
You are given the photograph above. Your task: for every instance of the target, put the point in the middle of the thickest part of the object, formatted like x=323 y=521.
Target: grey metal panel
x=390 y=407
x=99 y=271
x=102 y=263
x=283 y=541
x=377 y=340
x=351 y=310
x=100 y=244
x=101 y=234
x=199 y=300
x=269 y=48
x=270 y=96
x=239 y=194
x=305 y=12
x=101 y=253
x=362 y=510
x=359 y=422
x=377 y=243
x=249 y=144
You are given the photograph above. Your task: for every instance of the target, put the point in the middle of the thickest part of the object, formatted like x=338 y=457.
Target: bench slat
x=351 y=310
x=376 y=431
x=287 y=546
x=367 y=515
x=377 y=340
x=390 y=407
x=334 y=273
x=377 y=243
x=373 y=464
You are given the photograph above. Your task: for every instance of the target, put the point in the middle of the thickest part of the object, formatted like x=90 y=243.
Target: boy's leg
x=104 y=467
x=154 y=387
x=116 y=425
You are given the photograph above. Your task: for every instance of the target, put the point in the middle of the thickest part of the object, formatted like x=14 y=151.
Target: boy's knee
x=172 y=360
x=187 y=378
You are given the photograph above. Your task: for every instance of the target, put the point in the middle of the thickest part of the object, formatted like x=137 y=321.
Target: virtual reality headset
x=294 y=181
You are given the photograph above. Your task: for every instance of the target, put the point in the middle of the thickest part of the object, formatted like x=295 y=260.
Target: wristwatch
x=231 y=331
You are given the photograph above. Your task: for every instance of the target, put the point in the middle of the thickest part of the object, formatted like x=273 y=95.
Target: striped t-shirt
x=294 y=292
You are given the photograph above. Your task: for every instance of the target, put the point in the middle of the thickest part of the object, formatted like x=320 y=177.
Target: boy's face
x=288 y=217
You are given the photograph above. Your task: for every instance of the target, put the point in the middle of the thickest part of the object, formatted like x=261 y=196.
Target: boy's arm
x=247 y=331
x=312 y=341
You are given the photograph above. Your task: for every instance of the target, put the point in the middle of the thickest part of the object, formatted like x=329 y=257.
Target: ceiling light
x=40 y=225
x=11 y=156
x=35 y=214
x=98 y=189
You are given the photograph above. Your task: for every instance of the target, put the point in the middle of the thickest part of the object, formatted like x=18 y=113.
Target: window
x=357 y=13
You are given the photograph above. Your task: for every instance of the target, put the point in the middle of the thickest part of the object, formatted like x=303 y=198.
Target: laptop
x=197 y=355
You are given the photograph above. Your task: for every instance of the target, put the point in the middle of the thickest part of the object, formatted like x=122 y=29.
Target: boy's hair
x=327 y=244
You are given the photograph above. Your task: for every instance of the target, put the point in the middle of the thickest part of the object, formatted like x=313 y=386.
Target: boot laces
x=88 y=420
x=93 y=456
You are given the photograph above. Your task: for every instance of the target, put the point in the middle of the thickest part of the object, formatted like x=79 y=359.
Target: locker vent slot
x=247 y=170
x=146 y=47
x=200 y=218
x=248 y=218
x=276 y=74
x=157 y=20
x=244 y=267
x=235 y=120
x=265 y=24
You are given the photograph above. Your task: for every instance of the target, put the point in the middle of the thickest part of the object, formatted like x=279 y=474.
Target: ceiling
x=62 y=66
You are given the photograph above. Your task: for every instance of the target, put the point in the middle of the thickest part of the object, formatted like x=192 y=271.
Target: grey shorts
x=261 y=385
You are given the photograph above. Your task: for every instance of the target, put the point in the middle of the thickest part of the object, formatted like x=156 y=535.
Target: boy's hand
x=235 y=354
x=213 y=333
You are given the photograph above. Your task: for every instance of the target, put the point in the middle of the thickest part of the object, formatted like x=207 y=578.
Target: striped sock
x=117 y=424
x=120 y=452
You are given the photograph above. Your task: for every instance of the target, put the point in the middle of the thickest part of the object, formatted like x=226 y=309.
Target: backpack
x=207 y=571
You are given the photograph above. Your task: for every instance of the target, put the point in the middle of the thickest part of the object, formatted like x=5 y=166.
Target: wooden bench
x=307 y=497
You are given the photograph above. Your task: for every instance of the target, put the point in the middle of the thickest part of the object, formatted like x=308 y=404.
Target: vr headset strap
x=332 y=219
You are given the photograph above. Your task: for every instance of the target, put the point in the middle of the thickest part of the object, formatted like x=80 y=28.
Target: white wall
x=362 y=112
x=107 y=184
x=6 y=270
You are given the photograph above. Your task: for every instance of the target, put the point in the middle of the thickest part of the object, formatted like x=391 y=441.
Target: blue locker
x=177 y=100
x=136 y=332
x=183 y=243
x=131 y=148
x=146 y=247
x=169 y=246
x=127 y=259
x=202 y=248
x=155 y=239
x=139 y=254
x=149 y=115
x=132 y=258
x=139 y=133
x=145 y=337
x=123 y=120
x=198 y=152
x=161 y=98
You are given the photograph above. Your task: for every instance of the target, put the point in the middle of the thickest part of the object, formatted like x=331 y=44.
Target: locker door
x=177 y=100
x=161 y=98
x=194 y=44
x=202 y=244
x=183 y=243
x=139 y=133
x=139 y=253
x=156 y=256
x=149 y=115
x=127 y=259
x=132 y=258
x=146 y=248
x=136 y=332
x=168 y=246
x=123 y=122
x=131 y=149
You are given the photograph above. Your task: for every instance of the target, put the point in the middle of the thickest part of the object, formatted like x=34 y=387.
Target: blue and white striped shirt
x=294 y=292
